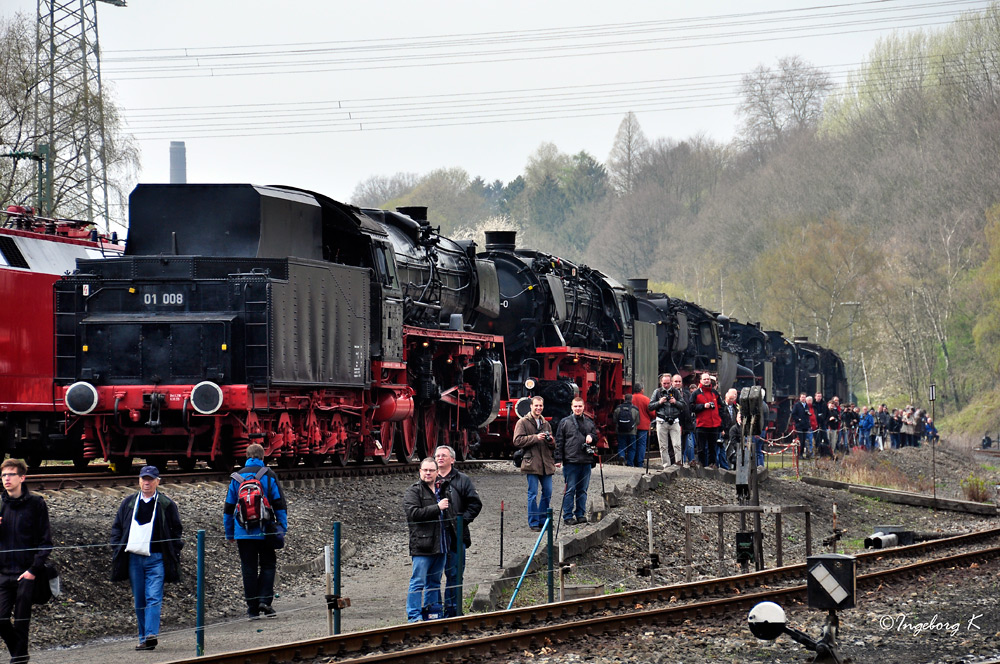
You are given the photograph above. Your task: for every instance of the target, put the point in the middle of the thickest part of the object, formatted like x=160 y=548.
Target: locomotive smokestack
x=178 y=162
x=501 y=240
x=639 y=286
x=417 y=213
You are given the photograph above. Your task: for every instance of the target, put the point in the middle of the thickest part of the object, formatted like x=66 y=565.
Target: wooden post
x=687 y=544
x=722 y=548
x=809 y=538
x=777 y=536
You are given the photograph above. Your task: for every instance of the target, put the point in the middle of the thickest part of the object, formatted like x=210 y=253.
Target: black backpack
x=253 y=509
x=626 y=422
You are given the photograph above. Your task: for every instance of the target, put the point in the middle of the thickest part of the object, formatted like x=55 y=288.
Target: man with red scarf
x=706 y=405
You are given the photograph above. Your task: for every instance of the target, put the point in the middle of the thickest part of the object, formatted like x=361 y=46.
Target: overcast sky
x=323 y=95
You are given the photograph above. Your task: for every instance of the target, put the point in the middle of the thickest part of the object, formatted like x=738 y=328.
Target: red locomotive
x=34 y=252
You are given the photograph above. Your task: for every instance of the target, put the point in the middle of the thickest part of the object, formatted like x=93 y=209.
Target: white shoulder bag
x=140 y=535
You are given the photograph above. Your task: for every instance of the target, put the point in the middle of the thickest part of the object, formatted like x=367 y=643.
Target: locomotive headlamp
x=530 y=384
x=81 y=398
x=206 y=397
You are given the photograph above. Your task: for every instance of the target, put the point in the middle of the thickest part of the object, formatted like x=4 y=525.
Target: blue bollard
x=200 y=610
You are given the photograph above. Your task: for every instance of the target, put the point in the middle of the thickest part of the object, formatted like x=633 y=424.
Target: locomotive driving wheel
x=341 y=454
x=406 y=442
x=387 y=434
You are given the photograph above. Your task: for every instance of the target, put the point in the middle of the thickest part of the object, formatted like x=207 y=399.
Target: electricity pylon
x=69 y=109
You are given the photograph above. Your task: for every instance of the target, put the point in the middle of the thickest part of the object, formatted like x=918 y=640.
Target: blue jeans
x=688 y=448
x=639 y=449
x=146 y=575
x=426 y=569
x=760 y=450
x=577 y=477
x=537 y=509
x=721 y=459
x=626 y=445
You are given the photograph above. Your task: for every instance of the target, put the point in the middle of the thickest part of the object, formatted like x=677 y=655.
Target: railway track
x=468 y=638
x=102 y=479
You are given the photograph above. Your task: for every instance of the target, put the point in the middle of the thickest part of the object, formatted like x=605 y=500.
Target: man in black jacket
x=25 y=543
x=576 y=438
x=427 y=517
x=465 y=502
x=146 y=544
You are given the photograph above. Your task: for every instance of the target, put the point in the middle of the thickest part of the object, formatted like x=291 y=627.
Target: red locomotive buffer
x=33 y=253
x=290 y=334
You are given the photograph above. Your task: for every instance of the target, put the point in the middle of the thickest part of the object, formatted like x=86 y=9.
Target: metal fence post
x=200 y=606
x=459 y=594
x=336 y=575
x=548 y=518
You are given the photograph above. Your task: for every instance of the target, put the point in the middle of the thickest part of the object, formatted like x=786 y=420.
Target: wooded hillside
x=883 y=192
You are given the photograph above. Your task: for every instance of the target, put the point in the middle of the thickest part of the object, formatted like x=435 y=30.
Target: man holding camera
x=576 y=440
x=706 y=404
x=533 y=434
x=670 y=407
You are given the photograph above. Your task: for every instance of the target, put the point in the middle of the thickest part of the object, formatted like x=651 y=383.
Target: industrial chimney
x=178 y=163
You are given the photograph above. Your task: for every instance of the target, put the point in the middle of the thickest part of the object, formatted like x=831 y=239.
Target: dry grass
x=873 y=469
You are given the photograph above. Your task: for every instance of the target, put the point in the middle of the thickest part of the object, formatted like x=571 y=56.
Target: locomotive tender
x=247 y=314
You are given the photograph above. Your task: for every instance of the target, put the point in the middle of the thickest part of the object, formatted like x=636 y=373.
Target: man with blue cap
x=146 y=543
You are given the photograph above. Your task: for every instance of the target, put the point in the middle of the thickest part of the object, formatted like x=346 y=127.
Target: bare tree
x=626 y=153
x=377 y=190
x=777 y=102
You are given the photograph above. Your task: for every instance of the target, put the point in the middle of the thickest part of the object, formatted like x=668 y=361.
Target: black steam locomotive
x=244 y=314
x=247 y=314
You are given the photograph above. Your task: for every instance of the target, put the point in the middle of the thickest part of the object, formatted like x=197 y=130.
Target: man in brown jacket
x=533 y=434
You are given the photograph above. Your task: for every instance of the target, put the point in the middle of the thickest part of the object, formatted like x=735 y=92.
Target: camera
x=589 y=448
x=547 y=437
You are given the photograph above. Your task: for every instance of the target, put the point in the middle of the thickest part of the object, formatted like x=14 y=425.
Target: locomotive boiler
x=687 y=335
x=568 y=331
x=275 y=315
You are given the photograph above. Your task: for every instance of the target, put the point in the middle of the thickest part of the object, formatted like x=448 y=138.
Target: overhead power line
x=444 y=110
x=482 y=48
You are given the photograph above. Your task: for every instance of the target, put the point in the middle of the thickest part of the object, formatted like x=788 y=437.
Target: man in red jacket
x=706 y=404
x=641 y=401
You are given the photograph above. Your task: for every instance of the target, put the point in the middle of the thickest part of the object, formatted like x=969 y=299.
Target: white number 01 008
x=164 y=298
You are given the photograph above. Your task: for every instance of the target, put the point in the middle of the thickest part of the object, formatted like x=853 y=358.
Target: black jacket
x=25 y=534
x=424 y=520
x=167 y=531
x=669 y=411
x=819 y=407
x=571 y=438
x=800 y=416
x=463 y=501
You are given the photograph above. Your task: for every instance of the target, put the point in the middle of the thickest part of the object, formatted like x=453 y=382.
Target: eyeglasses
x=10 y=475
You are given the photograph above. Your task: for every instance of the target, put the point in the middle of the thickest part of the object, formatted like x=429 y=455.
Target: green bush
x=977 y=489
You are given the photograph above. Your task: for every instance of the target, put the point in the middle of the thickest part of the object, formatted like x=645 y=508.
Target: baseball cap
x=150 y=471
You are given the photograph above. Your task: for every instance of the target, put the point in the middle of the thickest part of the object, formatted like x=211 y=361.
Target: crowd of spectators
x=823 y=427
